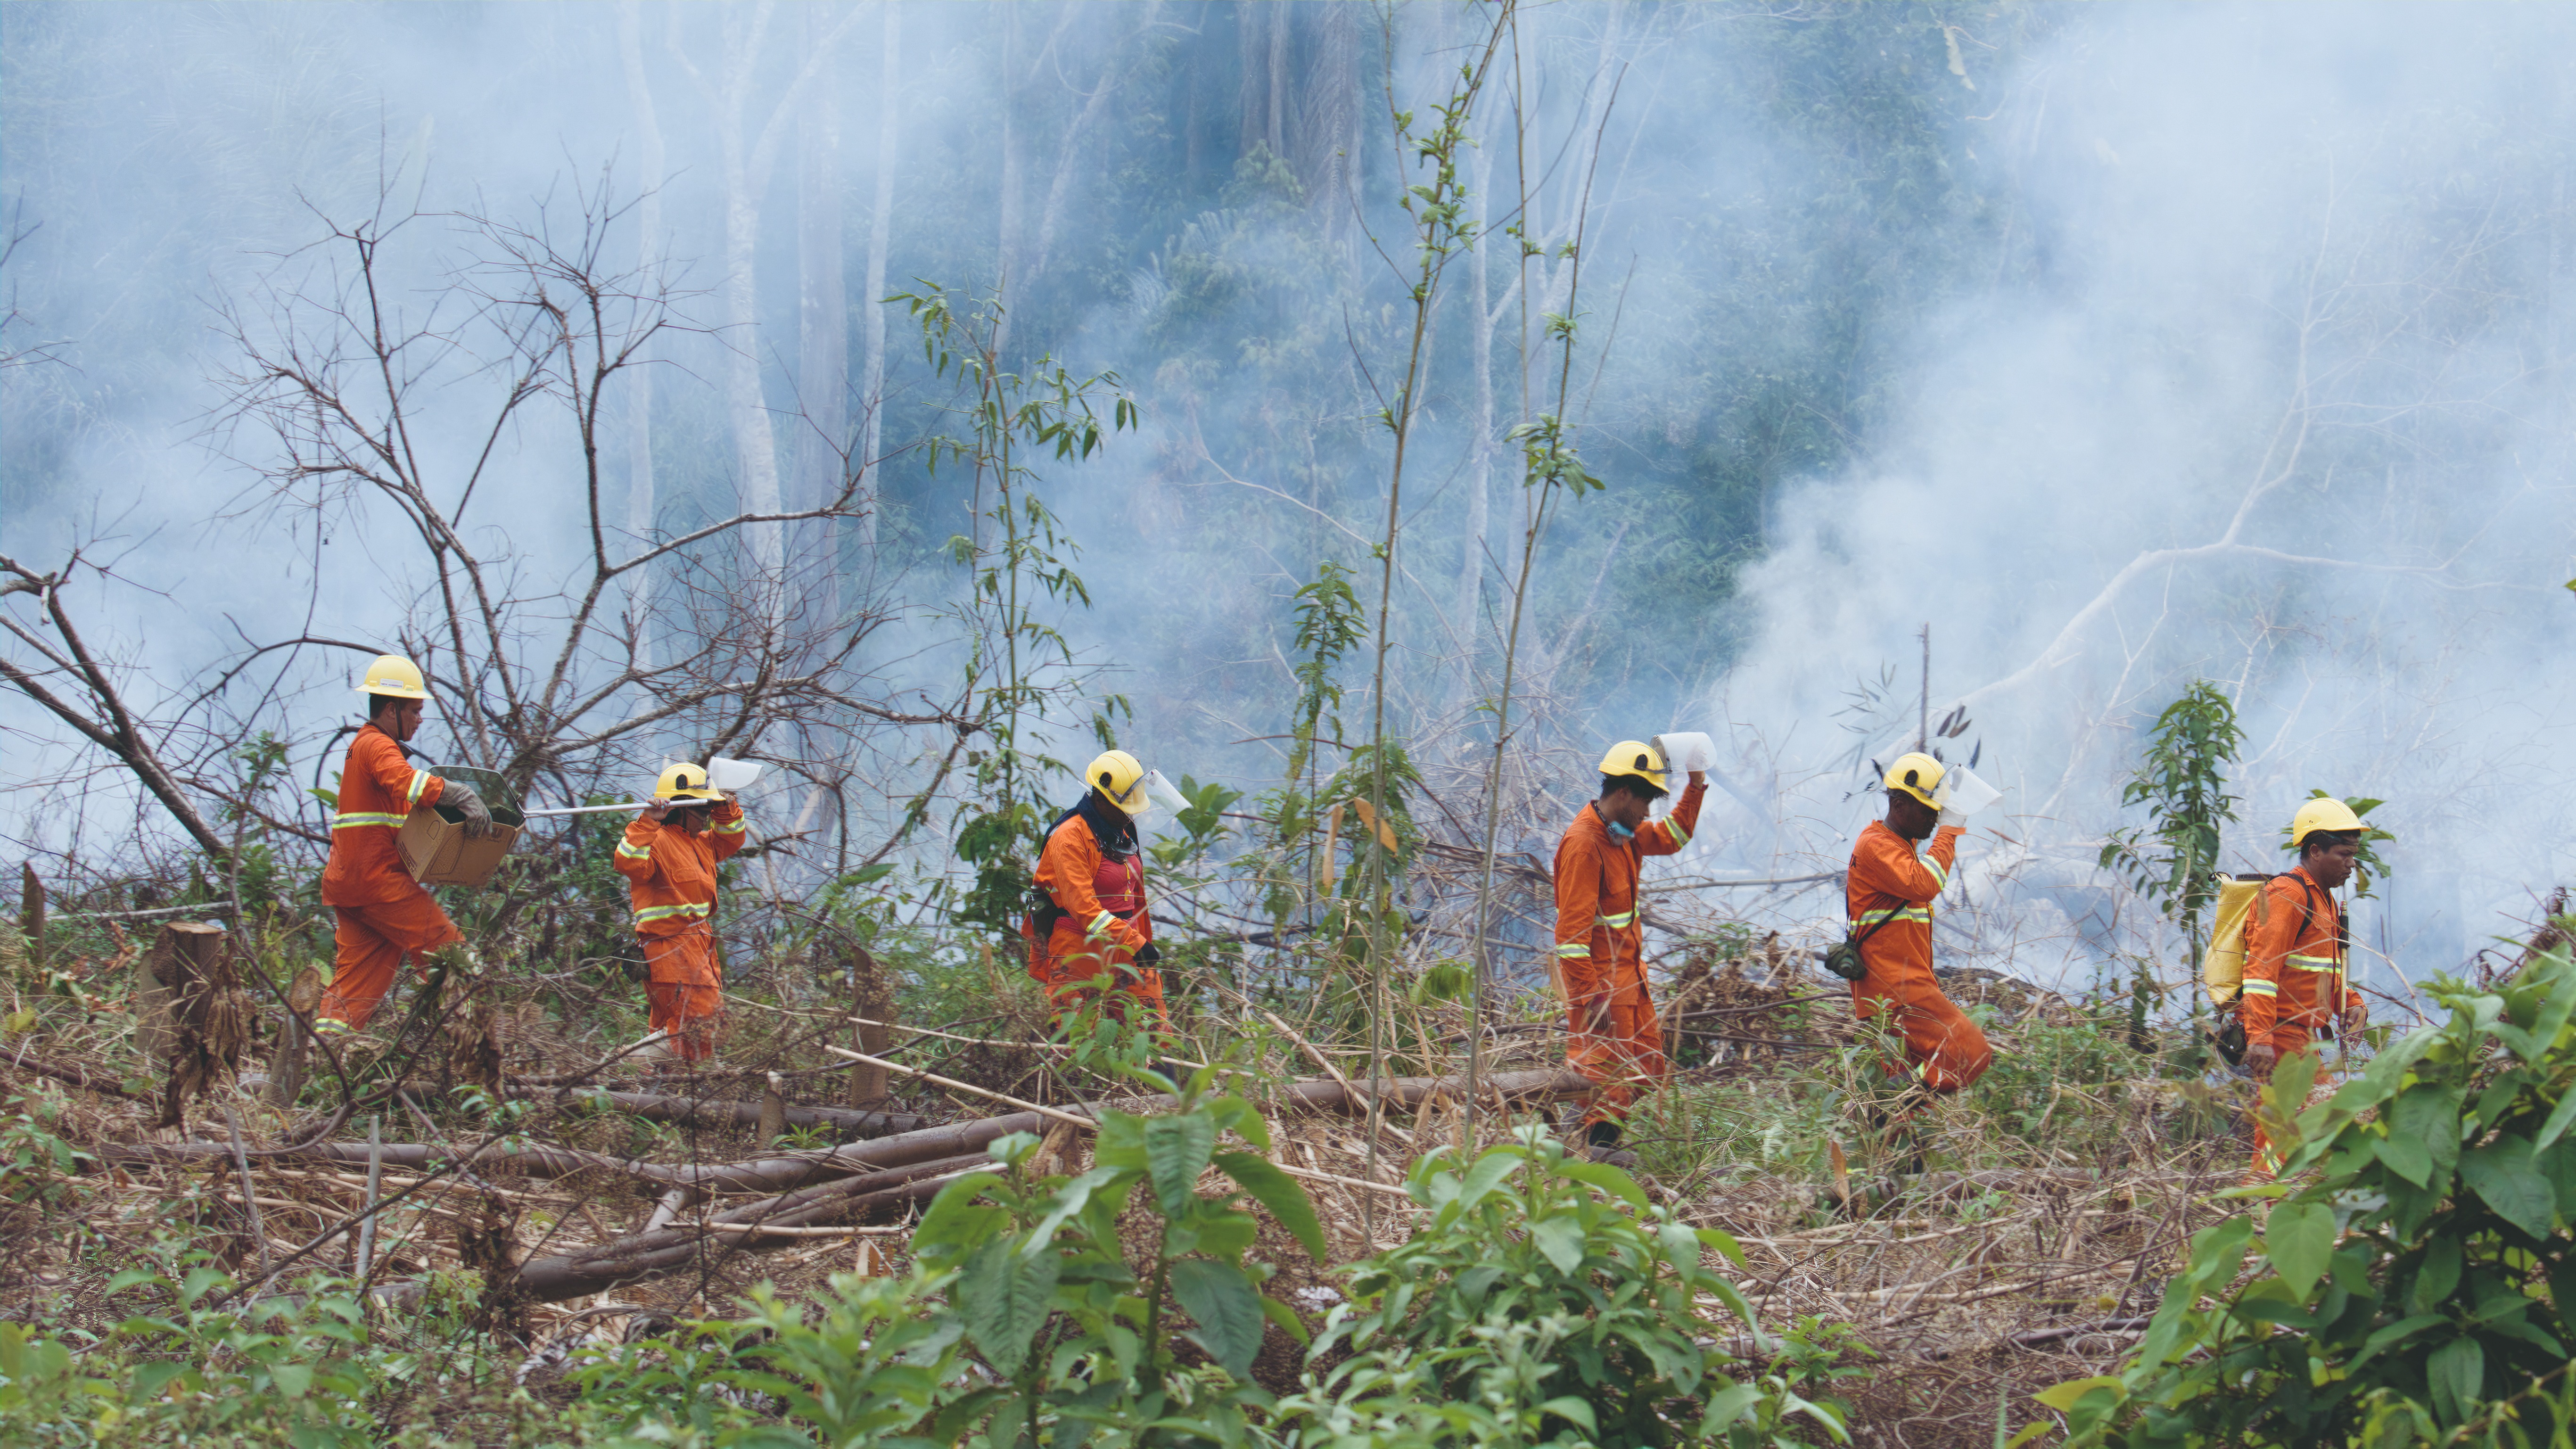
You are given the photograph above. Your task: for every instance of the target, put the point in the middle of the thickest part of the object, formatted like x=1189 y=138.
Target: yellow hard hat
x=683 y=781
x=393 y=675
x=1918 y=775
x=1635 y=758
x=2323 y=813
x=1117 y=775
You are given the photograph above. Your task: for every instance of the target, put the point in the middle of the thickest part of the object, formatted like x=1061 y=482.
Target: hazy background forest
x=2119 y=345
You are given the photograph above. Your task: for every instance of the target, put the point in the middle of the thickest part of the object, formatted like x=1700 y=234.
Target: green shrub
x=2421 y=1288
x=302 y=1369
x=1078 y=1347
x=1548 y=1301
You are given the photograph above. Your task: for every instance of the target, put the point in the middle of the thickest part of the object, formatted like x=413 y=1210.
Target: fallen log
x=882 y=1154
x=544 y=1162
x=1412 y=1092
x=78 y=1076
x=626 y=1261
x=708 y=1112
x=665 y=1250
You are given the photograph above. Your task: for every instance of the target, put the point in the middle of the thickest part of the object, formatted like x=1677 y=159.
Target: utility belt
x=2229 y=1035
x=1042 y=922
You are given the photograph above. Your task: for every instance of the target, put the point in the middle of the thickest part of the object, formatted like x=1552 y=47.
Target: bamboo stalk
x=375 y=1186
x=250 y=1199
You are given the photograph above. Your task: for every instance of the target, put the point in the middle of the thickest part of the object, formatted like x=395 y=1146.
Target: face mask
x=1621 y=832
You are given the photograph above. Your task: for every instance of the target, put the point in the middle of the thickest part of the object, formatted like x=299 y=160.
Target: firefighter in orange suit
x=2295 y=990
x=384 y=915
x=1600 y=963
x=1888 y=896
x=670 y=854
x=1093 y=941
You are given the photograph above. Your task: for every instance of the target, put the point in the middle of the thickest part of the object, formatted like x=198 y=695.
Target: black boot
x=1601 y=1144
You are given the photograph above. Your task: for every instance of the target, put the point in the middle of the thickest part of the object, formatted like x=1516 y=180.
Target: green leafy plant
x=282 y=1370
x=868 y=1370
x=2174 y=860
x=1079 y=1344
x=1545 y=1295
x=1021 y=554
x=2420 y=1288
x=36 y=1165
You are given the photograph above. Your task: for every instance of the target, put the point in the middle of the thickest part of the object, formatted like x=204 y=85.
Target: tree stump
x=773 y=1110
x=192 y=1018
x=871 y=996
x=31 y=912
x=286 y=1064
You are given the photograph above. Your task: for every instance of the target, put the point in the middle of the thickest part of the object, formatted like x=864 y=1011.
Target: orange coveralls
x=384 y=914
x=674 y=890
x=1889 y=882
x=1090 y=953
x=1600 y=956
x=2294 y=974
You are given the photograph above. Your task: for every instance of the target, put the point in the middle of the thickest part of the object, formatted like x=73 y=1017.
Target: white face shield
x=1962 y=793
x=1161 y=793
x=1684 y=752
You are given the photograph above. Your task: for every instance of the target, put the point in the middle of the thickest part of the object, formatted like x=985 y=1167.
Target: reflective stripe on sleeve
x=1574 y=950
x=2253 y=987
x=1680 y=832
x=1101 y=923
x=419 y=782
x=352 y=820
x=731 y=827
x=1940 y=872
x=634 y=852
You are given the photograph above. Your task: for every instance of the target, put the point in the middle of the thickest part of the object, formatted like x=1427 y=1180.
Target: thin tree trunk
x=640 y=502
x=755 y=444
x=1253 y=22
x=823 y=333
x=746 y=169
x=1329 y=120
x=1274 y=128
x=1060 y=186
x=873 y=323
x=1480 y=458
x=1006 y=248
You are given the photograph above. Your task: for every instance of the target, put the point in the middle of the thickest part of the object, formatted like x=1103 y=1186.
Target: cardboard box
x=434 y=848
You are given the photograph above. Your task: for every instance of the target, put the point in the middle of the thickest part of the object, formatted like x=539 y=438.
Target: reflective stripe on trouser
x=2289 y=1041
x=368 y=947
x=1944 y=1050
x=1627 y=1054
x=684 y=992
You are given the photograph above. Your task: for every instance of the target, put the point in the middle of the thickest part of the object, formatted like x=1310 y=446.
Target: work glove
x=1951 y=820
x=1148 y=954
x=478 y=816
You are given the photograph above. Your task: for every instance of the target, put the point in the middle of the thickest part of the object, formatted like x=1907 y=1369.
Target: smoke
x=2280 y=401
x=2122 y=346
